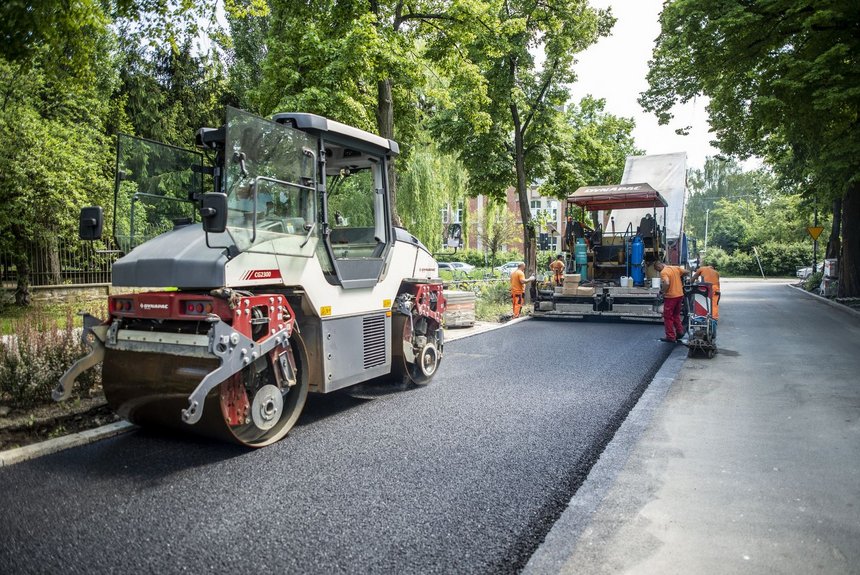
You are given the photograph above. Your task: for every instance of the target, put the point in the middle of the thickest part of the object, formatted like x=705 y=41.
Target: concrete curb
x=35 y=450
x=829 y=302
x=560 y=542
x=453 y=334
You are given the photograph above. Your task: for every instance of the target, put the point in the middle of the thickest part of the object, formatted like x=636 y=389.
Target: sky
x=614 y=69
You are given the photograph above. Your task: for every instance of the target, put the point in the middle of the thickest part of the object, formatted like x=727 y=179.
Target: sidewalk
x=746 y=463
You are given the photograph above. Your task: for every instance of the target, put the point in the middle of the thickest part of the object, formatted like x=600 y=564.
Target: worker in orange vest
x=518 y=287
x=709 y=274
x=672 y=286
x=557 y=267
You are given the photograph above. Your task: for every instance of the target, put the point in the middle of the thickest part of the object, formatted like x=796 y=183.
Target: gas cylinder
x=637 y=261
x=581 y=258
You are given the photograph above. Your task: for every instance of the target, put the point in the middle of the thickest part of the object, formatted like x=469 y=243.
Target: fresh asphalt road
x=466 y=475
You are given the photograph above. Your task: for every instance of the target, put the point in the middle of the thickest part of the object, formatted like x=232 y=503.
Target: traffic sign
x=814 y=231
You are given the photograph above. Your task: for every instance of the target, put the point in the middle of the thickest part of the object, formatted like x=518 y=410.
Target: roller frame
x=235 y=350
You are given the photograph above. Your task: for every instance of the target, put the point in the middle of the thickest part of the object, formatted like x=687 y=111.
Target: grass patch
x=44 y=314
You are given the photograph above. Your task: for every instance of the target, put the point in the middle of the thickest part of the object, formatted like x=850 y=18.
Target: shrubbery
x=777 y=259
x=34 y=358
x=476 y=257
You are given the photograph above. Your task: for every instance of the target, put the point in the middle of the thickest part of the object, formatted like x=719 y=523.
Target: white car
x=804 y=273
x=507 y=268
x=456 y=267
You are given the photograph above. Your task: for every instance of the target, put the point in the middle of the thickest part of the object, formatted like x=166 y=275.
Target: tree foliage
x=431 y=180
x=72 y=75
x=498 y=227
x=782 y=77
x=521 y=97
x=589 y=150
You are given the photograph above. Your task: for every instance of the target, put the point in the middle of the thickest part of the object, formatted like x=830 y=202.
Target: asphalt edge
x=452 y=335
x=35 y=450
x=823 y=299
x=559 y=544
x=19 y=454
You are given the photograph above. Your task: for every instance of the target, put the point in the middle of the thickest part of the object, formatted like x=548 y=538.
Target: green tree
x=56 y=73
x=591 y=150
x=782 y=80
x=359 y=63
x=498 y=227
x=523 y=96
x=169 y=92
x=430 y=181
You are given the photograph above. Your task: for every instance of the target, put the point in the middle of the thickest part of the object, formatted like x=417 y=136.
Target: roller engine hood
x=179 y=258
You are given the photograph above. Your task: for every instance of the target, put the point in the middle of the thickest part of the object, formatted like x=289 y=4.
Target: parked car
x=805 y=272
x=507 y=268
x=456 y=267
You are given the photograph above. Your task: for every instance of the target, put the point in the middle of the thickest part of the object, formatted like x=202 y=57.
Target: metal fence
x=53 y=263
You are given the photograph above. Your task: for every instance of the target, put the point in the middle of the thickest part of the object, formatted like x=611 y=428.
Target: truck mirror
x=213 y=211
x=91 y=223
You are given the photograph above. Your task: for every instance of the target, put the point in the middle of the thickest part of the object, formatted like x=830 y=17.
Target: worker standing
x=518 y=287
x=709 y=274
x=672 y=287
x=557 y=267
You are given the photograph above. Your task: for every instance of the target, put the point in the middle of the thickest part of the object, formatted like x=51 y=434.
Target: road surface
x=466 y=475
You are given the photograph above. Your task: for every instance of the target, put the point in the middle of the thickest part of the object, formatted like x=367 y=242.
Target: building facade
x=463 y=226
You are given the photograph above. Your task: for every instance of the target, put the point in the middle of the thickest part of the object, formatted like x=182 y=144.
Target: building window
x=458 y=217
x=535 y=207
x=445 y=211
x=552 y=208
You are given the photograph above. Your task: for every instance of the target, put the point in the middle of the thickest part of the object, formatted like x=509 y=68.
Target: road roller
x=259 y=267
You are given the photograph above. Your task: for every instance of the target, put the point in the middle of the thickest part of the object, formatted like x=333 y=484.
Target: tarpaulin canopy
x=617 y=197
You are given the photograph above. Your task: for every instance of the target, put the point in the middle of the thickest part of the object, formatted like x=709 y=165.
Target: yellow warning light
x=386 y=303
x=388 y=314
x=325 y=310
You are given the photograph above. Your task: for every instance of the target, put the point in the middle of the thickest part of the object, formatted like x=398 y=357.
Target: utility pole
x=707 y=213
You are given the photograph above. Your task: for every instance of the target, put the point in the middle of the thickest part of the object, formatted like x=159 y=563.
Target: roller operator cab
x=262 y=266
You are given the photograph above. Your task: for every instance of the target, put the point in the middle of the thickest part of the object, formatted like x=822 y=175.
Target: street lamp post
x=707 y=212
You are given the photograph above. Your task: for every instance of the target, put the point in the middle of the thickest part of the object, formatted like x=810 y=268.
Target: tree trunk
x=529 y=243
x=385 y=122
x=833 y=244
x=849 y=263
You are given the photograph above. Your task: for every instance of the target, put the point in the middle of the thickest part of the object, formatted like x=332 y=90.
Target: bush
x=34 y=358
x=779 y=259
x=776 y=259
x=813 y=282
x=741 y=264
x=493 y=301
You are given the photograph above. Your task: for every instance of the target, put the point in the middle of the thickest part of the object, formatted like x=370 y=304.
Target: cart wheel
x=711 y=352
x=691 y=352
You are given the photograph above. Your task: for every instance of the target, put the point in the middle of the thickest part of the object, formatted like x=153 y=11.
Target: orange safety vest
x=518 y=282
x=672 y=276
x=711 y=276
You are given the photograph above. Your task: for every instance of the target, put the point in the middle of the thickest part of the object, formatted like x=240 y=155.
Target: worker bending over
x=518 y=287
x=708 y=273
x=672 y=287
